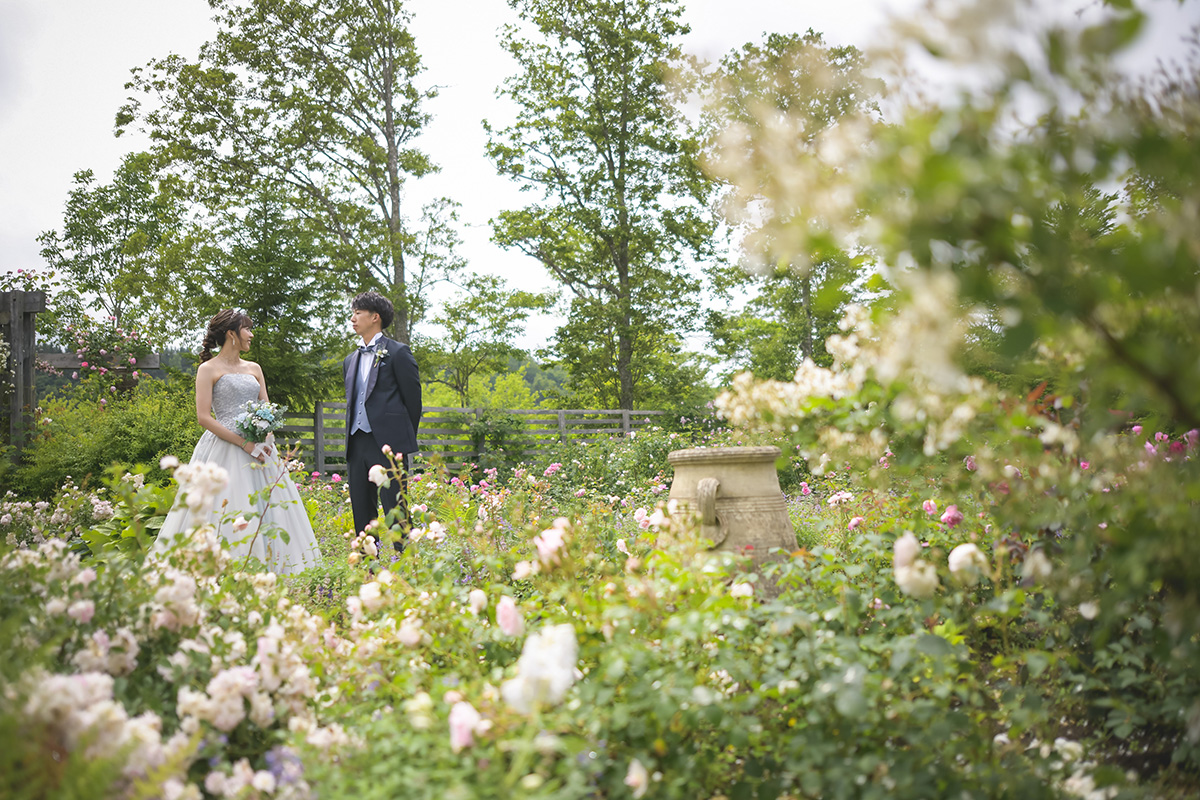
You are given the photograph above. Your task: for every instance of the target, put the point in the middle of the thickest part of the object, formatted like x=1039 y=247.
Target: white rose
x=1037 y=567
x=919 y=580
x=477 y=600
x=371 y=596
x=378 y=476
x=967 y=564
x=637 y=778
x=905 y=550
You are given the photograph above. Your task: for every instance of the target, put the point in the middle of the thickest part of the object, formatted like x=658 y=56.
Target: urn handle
x=706 y=496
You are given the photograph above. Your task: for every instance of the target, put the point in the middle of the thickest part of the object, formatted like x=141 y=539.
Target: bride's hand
x=260 y=453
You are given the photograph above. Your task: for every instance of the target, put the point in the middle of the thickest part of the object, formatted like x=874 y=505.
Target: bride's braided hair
x=228 y=320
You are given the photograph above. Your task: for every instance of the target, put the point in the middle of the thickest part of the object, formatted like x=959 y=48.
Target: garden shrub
x=79 y=437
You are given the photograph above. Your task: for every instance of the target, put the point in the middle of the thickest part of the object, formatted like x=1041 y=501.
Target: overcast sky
x=63 y=65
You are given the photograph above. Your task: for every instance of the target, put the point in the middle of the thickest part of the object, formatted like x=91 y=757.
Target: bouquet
x=259 y=420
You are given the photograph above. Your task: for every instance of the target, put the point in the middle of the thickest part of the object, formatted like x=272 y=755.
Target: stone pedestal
x=735 y=490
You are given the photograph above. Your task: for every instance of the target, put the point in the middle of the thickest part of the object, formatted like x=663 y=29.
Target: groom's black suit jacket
x=393 y=395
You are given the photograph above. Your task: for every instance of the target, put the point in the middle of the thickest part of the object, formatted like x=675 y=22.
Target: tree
x=623 y=200
x=318 y=99
x=117 y=242
x=794 y=303
x=481 y=325
x=787 y=318
x=263 y=264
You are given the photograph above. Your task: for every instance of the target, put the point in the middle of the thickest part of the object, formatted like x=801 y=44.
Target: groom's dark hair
x=376 y=304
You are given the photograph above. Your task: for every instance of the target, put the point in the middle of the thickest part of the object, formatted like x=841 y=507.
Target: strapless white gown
x=279 y=511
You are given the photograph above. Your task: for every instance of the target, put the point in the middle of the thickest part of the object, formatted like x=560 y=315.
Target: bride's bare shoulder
x=208 y=373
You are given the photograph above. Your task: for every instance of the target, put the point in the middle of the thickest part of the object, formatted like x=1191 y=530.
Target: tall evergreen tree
x=623 y=203
x=263 y=264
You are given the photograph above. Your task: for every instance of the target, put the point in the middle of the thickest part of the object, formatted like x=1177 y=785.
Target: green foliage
x=481 y=324
x=1006 y=248
x=120 y=244
x=498 y=439
x=787 y=320
x=138 y=512
x=624 y=203
x=78 y=437
x=793 y=305
x=321 y=102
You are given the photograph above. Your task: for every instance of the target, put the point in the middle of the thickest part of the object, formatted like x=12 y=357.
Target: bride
x=260 y=490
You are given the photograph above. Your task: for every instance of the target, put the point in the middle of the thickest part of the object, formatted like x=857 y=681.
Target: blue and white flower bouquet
x=259 y=420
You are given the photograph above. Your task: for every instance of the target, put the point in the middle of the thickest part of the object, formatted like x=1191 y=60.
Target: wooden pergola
x=18 y=314
x=18 y=318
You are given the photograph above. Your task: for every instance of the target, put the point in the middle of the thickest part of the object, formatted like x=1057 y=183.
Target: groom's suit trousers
x=365 y=498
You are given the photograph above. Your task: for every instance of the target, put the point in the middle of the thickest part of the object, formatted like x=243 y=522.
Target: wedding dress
x=262 y=493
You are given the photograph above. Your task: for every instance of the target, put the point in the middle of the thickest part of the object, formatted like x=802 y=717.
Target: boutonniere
x=380 y=354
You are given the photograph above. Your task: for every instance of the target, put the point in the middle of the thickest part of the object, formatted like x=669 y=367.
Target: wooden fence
x=321 y=438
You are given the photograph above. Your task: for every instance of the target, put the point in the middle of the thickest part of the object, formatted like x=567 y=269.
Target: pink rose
x=1137 y=429
x=952 y=516
x=854 y=523
x=463 y=719
x=509 y=618
x=804 y=488
x=336 y=478
x=929 y=506
x=82 y=611
x=969 y=461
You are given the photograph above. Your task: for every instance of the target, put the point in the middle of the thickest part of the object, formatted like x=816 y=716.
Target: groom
x=383 y=407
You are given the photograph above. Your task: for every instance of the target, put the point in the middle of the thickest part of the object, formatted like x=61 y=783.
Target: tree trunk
x=806 y=348
x=624 y=333
x=400 y=326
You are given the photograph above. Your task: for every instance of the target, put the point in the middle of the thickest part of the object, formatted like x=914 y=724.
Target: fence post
x=626 y=426
x=483 y=440
x=562 y=427
x=319 y=436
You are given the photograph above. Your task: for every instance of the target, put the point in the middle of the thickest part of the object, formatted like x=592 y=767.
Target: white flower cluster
x=200 y=483
x=116 y=654
x=545 y=670
x=282 y=669
x=79 y=711
x=914 y=347
x=175 y=605
x=237 y=781
x=224 y=704
x=914 y=576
